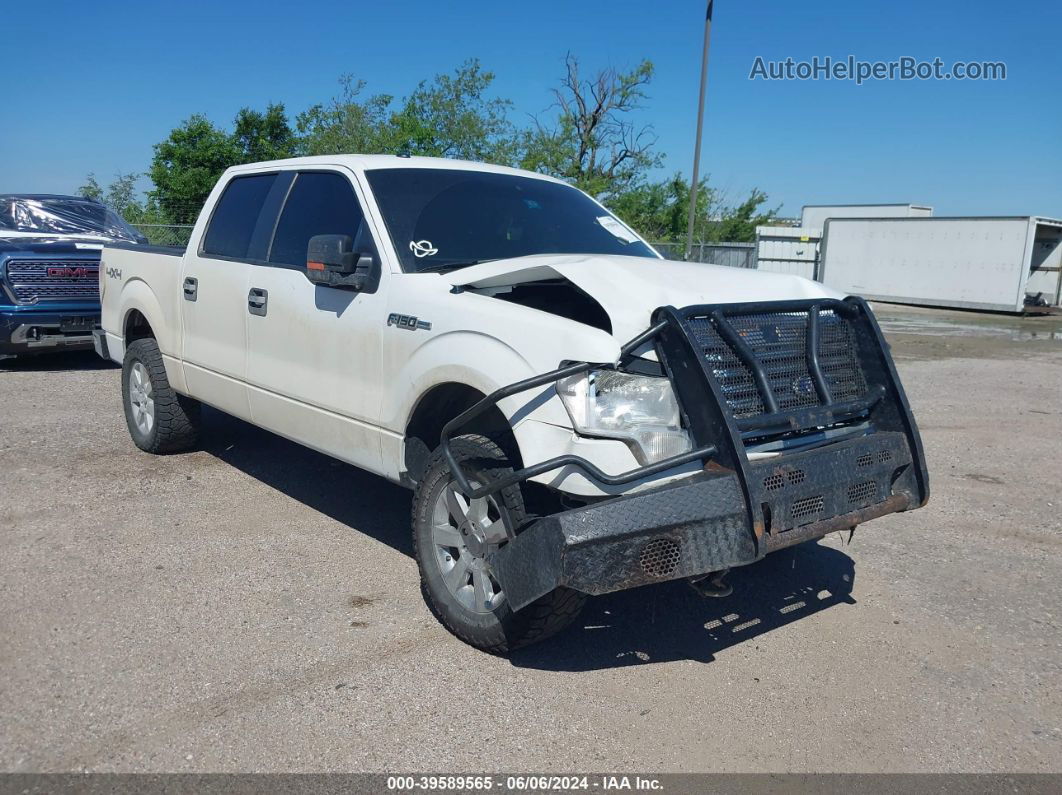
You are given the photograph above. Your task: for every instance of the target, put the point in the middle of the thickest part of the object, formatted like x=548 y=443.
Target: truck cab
x=49 y=270
x=575 y=414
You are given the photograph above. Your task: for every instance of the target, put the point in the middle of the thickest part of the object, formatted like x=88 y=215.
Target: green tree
x=738 y=224
x=348 y=123
x=263 y=136
x=593 y=141
x=453 y=116
x=91 y=189
x=658 y=210
x=187 y=164
x=120 y=196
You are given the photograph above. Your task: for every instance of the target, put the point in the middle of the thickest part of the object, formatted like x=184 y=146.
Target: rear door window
x=320 y=203
x=233 y=223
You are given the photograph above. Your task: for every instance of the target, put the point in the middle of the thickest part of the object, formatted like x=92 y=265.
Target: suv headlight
x=641 y=410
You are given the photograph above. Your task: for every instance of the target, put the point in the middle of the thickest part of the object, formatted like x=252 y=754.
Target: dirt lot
x=254 y=606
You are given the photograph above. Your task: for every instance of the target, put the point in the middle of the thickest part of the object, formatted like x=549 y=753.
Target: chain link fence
x=166 y=234
x=733 y=255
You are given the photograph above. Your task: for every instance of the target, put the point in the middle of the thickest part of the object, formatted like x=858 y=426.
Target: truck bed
x=144 y=279
x=173 y=251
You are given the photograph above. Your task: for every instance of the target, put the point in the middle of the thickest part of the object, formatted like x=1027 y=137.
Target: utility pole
x=700 y=125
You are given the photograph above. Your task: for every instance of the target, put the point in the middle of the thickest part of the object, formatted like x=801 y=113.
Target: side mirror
x=331 y=261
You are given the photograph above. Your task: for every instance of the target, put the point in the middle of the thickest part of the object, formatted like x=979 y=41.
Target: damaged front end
x=797 y=414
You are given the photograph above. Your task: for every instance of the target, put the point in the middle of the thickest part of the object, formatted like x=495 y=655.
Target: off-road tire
x=177 y=417
x=502 y=630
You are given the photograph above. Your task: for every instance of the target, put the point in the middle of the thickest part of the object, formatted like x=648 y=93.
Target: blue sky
x=91 y=86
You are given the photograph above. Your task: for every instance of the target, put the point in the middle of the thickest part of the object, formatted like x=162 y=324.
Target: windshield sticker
x=422 y=248
x=616 y=229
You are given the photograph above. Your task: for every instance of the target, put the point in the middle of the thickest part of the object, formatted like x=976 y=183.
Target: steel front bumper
x=737 y=509
x=25 y=330
x=705 y=523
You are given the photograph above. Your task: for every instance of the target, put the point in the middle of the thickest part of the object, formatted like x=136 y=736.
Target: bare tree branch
x=593 y=141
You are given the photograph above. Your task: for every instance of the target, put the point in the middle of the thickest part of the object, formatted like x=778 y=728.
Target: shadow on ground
x=56 y=362
x=646 y=625
x=362 y=501
x=662 y=623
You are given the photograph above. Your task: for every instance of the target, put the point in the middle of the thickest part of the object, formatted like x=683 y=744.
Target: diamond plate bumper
x=702 y=524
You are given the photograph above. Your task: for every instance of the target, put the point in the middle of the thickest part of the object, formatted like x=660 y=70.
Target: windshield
x=63 y=215
x=448 y=218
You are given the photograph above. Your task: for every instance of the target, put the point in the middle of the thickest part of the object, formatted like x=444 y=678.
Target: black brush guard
x=777 y=371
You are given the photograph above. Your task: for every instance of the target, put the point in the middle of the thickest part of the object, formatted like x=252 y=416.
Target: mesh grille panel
x=863 y=493
x=53 y=280
x=779 y=343
x=837 y=355
x=807 y=510
x=660 y=558
x=735 y=379
x=773 y=482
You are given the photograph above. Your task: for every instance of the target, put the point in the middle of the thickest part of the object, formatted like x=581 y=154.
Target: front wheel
x=452 y=536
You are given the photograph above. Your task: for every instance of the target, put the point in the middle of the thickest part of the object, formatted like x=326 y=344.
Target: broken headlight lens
x=641 y=410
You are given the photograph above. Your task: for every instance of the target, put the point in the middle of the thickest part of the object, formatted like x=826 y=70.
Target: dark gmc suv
x=49 y=270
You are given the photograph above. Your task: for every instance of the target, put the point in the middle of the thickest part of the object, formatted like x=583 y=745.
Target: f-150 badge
x=408 y=322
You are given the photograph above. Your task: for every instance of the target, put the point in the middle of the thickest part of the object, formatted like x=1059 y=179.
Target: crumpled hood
x=630 y=288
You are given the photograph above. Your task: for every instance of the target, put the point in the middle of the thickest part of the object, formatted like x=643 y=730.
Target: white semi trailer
x=996 y=263
x=814 y=216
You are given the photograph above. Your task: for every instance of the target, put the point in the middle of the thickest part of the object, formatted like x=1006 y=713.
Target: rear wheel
x=159 y=419
x=452 y=537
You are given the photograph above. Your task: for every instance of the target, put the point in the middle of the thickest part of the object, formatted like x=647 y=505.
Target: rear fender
x=138 y=296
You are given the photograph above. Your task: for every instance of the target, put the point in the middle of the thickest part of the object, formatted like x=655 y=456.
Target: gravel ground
x=254 y=607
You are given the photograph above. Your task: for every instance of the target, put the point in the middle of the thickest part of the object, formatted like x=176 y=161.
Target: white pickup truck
x=575 y=414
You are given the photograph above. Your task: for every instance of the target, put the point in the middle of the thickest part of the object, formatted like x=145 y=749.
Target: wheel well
x=438 y=406
x=137 y=327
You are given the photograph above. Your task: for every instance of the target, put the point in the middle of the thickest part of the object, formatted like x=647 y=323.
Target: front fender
x=474 y=359
x=540 y=424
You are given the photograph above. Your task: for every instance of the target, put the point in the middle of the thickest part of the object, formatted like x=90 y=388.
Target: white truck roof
x=370 y=162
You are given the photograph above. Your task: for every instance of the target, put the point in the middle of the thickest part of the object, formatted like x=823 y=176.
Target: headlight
x=639 y=409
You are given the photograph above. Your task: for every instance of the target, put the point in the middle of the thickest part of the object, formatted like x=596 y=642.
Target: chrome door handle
x=191 y=288
x=257 y=301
